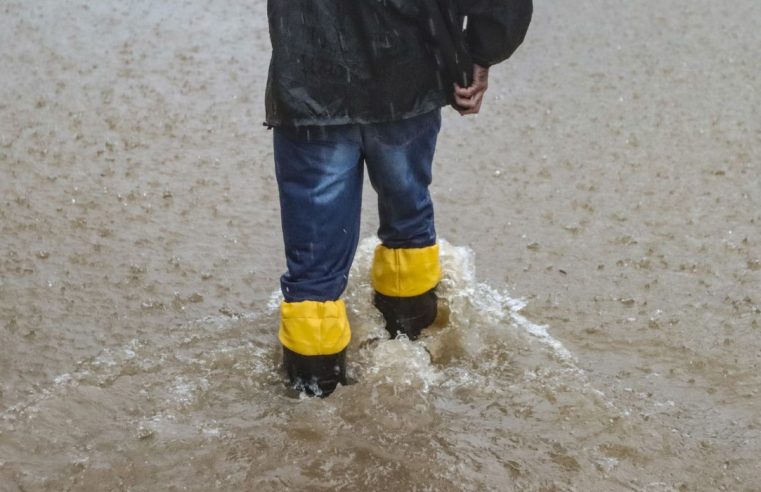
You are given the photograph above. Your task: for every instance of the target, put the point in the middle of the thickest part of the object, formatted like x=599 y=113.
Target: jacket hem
x=350 y=120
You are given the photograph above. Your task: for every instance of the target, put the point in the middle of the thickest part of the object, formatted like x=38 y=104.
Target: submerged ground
x=603 y=327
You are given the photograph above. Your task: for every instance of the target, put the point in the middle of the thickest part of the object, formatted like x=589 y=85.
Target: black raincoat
x=364 y=61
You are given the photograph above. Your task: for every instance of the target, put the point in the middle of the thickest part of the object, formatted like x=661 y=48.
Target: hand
x=468 y=99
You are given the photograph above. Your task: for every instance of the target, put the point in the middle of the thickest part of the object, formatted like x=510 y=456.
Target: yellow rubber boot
x=404 y=280
x=314 y=337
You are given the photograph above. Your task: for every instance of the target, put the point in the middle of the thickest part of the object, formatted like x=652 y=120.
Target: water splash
x=482 y=369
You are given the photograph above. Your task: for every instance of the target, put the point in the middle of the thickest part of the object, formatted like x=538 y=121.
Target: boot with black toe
x=314 y=336
x=316 y=375
x=407 y=315
x=404 y=280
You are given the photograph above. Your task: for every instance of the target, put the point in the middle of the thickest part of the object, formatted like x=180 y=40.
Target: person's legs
x=319 y=173
x=406 y=266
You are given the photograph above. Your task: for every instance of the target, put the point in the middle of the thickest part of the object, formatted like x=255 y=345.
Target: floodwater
x=600 y=219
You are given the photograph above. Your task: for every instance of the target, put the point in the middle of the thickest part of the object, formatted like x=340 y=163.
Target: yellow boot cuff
x=314 y=328
x=405 y=272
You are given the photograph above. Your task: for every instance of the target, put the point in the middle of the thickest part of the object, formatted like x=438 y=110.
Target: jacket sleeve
x=495 y=28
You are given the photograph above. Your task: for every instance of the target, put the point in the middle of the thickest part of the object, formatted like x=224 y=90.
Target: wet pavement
x=601 y=247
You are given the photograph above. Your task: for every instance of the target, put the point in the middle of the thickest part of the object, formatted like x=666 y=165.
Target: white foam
x=478 y=305
x=405 y=363
x=273 y=303
x=496 y=304
x=474 y=306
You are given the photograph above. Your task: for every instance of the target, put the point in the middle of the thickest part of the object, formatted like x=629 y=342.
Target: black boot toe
x=317 y=375
x=407 y=315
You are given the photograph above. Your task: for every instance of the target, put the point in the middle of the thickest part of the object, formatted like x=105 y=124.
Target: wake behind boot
x=404 y=280
x=314 y=335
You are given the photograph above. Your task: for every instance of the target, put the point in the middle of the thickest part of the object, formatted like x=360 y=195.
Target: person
x=362 y=82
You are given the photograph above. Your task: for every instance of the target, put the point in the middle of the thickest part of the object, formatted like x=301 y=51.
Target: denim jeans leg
x=319 y=173
x=399 y=158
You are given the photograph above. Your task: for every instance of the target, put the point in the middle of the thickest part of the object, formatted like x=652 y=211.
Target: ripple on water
x=473 y=393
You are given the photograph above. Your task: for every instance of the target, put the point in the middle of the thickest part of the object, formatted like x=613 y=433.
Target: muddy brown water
x=600 y=224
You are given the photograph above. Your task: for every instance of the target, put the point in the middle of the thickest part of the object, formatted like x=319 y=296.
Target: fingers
x=473 y=109
x=480 y=82
x=469 y=104
x=464 y=102
x=470 y=91
x=465 y=91
x=469 y=99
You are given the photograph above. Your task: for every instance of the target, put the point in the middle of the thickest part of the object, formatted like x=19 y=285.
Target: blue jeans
x=319 y=172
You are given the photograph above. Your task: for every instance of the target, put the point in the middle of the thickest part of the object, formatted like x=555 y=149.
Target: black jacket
x=363 y=61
